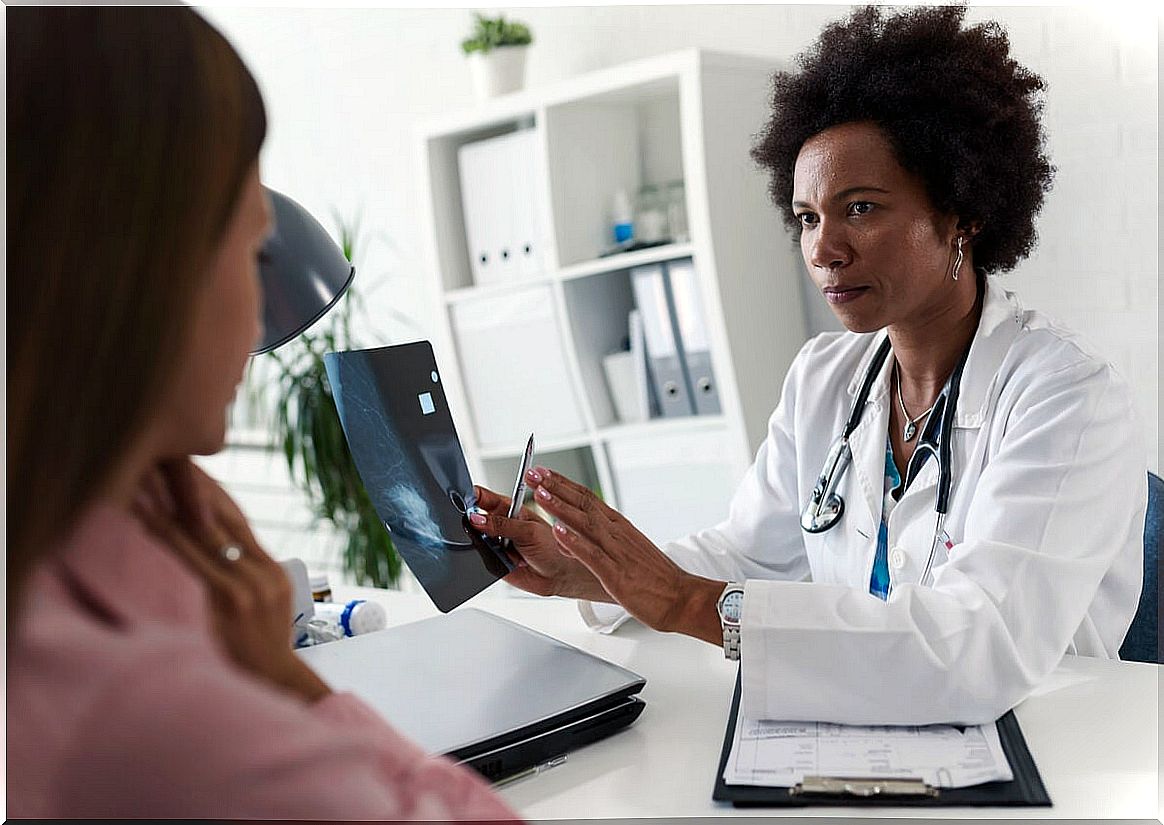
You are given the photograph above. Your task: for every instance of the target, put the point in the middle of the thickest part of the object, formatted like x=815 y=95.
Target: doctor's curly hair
x=958 y=110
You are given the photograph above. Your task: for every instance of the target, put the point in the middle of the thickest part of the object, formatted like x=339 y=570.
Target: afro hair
x=958 y=111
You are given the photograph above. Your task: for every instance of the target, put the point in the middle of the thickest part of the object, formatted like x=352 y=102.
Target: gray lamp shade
x=303 y=273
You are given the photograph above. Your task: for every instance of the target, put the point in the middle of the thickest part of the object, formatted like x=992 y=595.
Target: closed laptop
x=486 y=691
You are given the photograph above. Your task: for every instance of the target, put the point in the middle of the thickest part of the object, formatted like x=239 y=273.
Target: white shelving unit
x=689 y=115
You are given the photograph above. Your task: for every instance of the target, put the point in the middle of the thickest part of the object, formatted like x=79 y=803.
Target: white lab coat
x=1046 y=519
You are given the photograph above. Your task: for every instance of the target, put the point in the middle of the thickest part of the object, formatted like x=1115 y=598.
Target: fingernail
x=560 y=529
x=534 y=476
x=477 y=518
x=544 y=494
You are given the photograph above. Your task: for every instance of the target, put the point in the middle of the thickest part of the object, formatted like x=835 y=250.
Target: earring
x=958 y=260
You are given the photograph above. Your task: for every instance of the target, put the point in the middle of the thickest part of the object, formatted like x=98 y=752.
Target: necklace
x=910 y=429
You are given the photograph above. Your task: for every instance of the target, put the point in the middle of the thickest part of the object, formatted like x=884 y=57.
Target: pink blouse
x=121 y=704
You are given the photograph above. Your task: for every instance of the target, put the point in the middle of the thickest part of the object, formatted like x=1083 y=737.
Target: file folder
x=1025 y=790
x=693 y=340
x=664 y=355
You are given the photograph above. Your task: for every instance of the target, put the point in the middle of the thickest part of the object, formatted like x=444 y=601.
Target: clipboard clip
x=862 y=787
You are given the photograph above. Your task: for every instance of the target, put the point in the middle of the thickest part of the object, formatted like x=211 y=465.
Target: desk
x=1092 y=729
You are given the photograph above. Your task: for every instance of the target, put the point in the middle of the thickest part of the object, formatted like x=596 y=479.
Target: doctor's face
x=871 y=239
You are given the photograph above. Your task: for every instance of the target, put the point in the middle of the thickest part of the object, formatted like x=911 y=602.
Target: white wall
x=344 y=88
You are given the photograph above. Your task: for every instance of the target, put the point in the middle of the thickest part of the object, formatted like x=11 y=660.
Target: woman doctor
x=989 y=462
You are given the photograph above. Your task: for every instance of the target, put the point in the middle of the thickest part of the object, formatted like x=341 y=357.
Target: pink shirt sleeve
x=195 y=738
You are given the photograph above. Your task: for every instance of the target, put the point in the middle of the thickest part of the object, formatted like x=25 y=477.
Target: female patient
x=149 y=674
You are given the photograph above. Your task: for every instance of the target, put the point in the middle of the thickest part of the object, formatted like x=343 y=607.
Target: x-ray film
x=398 y=427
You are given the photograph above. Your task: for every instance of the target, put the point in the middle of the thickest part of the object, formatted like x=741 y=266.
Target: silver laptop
x=492 y=694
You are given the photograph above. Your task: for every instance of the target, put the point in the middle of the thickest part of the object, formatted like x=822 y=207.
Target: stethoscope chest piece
x=825 y=507
x=816 y=518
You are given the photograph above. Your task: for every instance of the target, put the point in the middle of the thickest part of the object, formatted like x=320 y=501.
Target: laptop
x=391 y=403
x=494 y=695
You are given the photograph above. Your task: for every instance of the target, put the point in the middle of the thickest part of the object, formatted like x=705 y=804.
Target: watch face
x=733 y=606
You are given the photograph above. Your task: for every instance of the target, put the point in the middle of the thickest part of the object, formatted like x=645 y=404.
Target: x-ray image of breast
x=404 y=444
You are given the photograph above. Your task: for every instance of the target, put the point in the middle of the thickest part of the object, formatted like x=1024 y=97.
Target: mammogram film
x=401 y=435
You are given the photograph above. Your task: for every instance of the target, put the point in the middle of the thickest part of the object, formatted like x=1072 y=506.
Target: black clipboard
x=1025 y=790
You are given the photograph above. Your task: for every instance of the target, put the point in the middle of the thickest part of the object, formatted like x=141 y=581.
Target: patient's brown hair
x=130 y=132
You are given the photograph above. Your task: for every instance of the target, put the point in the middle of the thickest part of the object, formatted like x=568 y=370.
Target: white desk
x=1092 y=729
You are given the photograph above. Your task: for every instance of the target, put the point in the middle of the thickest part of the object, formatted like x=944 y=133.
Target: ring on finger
x=230 y=553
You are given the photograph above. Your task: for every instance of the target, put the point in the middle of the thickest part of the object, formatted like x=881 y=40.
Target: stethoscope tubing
x=826 y=506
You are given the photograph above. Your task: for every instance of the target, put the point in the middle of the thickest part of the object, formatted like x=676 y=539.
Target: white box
x=673 y=484
x=621 y=377
x=514 y=369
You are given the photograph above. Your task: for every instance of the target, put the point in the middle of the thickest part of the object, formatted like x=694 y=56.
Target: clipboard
x=1025 y=790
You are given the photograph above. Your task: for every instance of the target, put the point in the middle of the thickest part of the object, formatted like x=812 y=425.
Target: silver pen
x=519 y=486
x=533 y=771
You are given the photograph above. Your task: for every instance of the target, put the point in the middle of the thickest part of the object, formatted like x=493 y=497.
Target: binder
x=501 y=201
x=526 y=241
x=1025 y=790
x=693 y=343
x=664 y=355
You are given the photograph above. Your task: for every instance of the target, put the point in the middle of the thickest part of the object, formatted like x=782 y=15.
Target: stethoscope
x=825 y=508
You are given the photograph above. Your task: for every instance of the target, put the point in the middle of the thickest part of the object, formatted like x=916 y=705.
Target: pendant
x=910 y=431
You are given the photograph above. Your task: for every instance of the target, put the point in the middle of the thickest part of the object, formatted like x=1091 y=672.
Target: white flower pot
x=498 y=71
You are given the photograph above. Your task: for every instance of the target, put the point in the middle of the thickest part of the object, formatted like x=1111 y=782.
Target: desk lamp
x=303 y=274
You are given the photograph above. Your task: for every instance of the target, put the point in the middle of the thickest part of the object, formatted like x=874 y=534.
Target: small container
x=351 y=619
x=651 y=217
x=676 y=203
x=621 y=218
x=320 y=588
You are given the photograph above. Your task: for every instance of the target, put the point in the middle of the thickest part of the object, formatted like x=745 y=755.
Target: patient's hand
x=542 y=569
x=190 y=513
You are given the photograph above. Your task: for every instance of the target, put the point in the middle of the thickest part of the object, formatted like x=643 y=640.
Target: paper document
x=781 y=754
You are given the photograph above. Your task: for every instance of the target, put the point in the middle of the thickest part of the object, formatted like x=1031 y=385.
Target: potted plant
x=496 y=51
x=307 y=428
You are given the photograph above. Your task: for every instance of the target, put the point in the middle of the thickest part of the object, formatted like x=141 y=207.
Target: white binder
x=502 y=203
x=528 y=205
x=482 y=169
x=663 y=352
x=693 y=339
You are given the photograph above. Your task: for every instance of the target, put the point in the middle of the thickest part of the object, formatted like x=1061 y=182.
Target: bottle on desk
x=335 y=620
x=320 y=588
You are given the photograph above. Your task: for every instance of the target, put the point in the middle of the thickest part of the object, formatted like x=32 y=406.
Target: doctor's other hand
x=542 y=569
x=636 y=573
x=250 y=595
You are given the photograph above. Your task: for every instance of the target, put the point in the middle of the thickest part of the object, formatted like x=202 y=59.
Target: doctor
x=951 y=493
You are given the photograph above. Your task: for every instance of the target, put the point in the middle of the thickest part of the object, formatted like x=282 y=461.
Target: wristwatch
x=730 y=606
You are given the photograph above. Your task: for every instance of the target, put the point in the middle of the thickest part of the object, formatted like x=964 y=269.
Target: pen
x=519 y=486
x=532 y=771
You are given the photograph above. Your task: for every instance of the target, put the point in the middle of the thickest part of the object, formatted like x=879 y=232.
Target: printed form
x=781 y=754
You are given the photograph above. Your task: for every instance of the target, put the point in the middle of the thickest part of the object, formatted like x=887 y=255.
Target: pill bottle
x=320 y=588
x=351 y=619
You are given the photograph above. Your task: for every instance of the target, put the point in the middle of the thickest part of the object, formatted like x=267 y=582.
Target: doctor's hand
x=636 y=573
x=250 y=595
x=541 y=569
